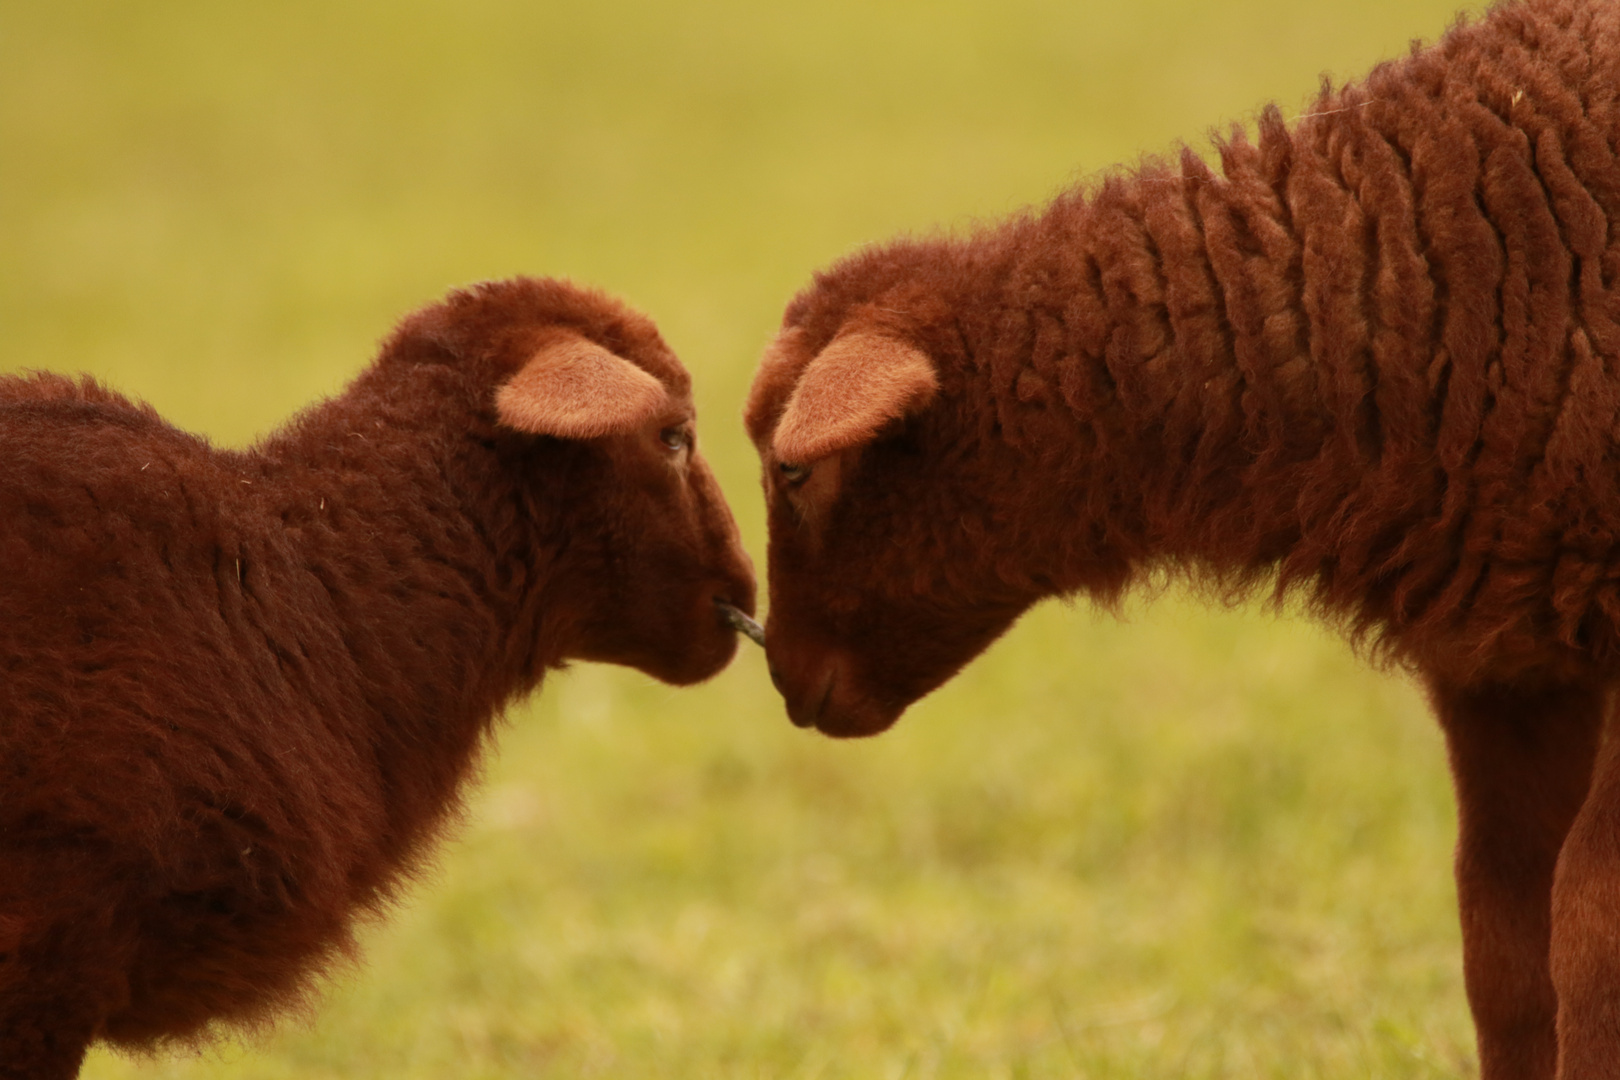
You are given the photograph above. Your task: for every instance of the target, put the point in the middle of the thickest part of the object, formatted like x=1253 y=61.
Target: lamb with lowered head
x=1375 y=359
x=240 y=691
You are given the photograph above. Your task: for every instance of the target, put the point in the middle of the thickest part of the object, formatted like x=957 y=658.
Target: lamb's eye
x=794 y=474
x=676 y=438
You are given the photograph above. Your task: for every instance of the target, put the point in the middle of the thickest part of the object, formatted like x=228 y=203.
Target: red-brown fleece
x=1374 y=358
x=240 y=691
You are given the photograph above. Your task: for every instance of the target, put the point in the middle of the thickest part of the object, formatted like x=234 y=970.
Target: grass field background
x=1188 y=843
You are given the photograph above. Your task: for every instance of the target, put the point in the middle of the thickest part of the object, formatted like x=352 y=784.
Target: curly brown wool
x=240 y=692
x=1371 y=360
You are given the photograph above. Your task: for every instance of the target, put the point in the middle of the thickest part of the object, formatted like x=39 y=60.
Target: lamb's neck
x=1167 y=320
x=440 y=625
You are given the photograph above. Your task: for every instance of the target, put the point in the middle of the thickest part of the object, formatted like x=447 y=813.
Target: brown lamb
x=240 y=691
x=1375 y=359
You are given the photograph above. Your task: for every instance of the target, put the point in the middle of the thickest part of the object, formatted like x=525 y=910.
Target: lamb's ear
x=575 y=389
x=845 y=396
x=773 y=384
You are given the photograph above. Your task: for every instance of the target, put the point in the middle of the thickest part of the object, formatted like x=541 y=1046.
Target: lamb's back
x=156 y=630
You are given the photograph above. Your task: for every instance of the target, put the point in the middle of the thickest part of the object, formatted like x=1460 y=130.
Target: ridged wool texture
x=1368 y=359
x=1374 y=352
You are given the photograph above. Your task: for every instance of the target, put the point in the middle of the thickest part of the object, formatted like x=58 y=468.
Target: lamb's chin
x=858 y=724
x=705 y=664
x=845 y=712
x=703 y=655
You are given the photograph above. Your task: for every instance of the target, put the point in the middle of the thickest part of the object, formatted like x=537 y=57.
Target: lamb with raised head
x=1375 y=359
x=240 y=691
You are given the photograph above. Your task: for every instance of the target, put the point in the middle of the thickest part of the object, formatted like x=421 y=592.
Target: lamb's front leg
x=48 y=1015
x=61 y=973
x=1521 y=761
x=1586 y=929
x=34 y=1046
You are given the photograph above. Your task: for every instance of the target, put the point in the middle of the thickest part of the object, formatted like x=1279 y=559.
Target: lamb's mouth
x=806 y=718
x=738 y=620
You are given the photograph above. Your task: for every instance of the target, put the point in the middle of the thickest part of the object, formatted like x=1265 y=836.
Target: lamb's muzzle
x=739 y=620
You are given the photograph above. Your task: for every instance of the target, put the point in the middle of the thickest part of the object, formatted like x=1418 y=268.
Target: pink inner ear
x=575 y=389
x=848 y=393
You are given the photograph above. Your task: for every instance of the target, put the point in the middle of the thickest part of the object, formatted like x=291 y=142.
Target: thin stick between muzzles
x=740 y=622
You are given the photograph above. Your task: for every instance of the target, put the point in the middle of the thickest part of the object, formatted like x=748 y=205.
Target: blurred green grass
x=1190 y=843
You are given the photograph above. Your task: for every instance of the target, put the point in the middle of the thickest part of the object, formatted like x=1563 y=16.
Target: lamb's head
x=882 y=493
x=587 y=421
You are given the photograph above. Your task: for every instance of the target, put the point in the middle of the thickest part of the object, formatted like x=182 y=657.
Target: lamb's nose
x=776 y=676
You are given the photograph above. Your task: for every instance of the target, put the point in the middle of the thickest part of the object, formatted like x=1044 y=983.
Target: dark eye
x=794 y=474
x=676 y=438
